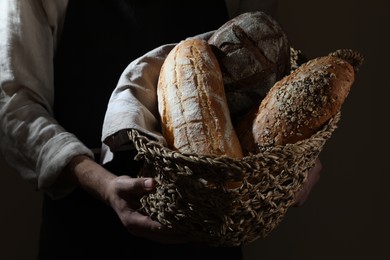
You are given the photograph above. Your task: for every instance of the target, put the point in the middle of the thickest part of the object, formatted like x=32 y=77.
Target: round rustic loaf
x=253 y=52
x=298 y=105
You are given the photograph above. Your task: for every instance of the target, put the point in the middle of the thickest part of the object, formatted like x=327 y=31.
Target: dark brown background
x=346 y=216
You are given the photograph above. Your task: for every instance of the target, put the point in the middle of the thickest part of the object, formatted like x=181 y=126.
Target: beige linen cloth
x=133 y=103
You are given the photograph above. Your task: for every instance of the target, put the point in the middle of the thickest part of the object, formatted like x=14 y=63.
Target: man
x=60 y=61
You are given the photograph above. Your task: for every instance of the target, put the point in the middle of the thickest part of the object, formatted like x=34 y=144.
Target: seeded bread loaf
x=192 y=104
x=254 y=53
x=298 y=105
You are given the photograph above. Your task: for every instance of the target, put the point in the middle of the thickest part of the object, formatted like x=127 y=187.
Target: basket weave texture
x=224 y=201
x=230 y=202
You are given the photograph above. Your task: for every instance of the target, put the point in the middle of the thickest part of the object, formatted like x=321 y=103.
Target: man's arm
x=122 y=193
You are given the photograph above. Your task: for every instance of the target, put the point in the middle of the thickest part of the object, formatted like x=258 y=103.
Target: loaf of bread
x=195 y=117
x=298 y=105
x=253 y=52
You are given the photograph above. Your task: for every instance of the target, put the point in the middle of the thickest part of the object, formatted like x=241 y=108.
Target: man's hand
x=123 y=194
x=312 y=178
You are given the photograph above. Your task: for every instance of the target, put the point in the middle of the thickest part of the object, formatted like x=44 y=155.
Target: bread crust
x=192 y=104
x=298 y=105
x=254 y=53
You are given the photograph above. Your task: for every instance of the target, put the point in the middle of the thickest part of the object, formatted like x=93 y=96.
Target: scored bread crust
x=253 y=52
x=298 y=105
x=192 y=104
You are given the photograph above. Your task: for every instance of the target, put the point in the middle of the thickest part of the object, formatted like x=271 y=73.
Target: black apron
x=100 y=38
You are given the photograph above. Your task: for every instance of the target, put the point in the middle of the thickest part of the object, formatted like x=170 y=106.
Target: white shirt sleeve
x=31 y=139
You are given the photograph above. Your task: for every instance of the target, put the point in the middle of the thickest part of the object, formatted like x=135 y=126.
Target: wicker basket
x=224 y=201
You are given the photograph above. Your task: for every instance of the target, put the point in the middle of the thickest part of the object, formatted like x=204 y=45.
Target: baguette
x=193 y=109
x=298 y=105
